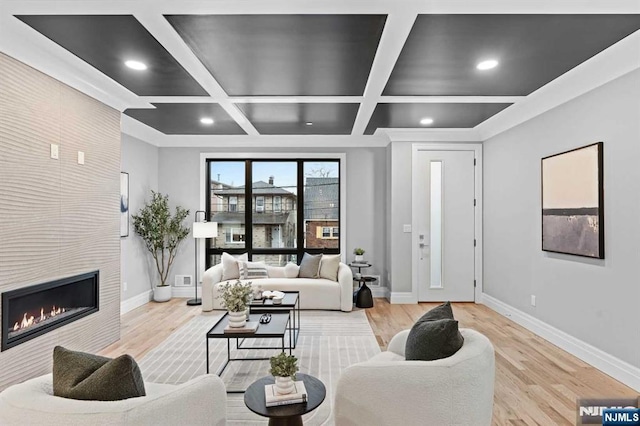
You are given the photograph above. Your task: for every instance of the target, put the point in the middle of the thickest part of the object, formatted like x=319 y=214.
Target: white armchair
x=387 y=389
x=200 y=401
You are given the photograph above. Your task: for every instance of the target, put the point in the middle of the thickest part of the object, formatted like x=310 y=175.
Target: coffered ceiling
x=303 y=68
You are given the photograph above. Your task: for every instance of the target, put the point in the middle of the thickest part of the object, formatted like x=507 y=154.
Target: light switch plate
x=80 y=157
x=406 y=228
x=55 y=151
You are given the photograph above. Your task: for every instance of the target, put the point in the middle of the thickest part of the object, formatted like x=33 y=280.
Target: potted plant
x=162 y=233
x=283 y=369
x=359 y=252
x=236 y=297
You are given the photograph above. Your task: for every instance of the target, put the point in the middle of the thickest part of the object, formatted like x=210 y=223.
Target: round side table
x=285 y=415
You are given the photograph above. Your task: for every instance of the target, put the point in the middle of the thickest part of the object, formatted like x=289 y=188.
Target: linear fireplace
x=32 y=311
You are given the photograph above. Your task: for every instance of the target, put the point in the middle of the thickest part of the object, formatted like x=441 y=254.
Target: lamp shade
x=205 y=229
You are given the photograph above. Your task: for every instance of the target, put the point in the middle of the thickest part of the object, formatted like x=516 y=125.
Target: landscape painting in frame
x=572 y=202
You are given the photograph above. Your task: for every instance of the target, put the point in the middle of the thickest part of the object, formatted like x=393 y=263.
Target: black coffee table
x=290 y=302
x=285 y=415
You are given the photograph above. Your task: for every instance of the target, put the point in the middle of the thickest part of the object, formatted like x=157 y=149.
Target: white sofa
x=200 y=401
x=315 y=293
x=387 y=389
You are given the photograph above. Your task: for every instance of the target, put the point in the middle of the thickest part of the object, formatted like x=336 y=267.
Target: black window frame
x=249 y=210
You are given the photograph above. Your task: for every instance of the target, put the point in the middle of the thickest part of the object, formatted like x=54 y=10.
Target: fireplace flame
x=29 y=320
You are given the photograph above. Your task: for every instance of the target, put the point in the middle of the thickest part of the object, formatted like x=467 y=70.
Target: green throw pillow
x=79 y=375
x=434 y=336
x=310 y=266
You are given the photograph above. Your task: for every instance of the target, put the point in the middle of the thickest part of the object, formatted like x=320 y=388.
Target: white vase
x=237 y=319
x=359 y=258
x=284 y=385
x=162 y=293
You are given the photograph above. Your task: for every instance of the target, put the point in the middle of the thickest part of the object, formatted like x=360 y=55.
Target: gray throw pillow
x=309 y=266
x=79 y=375
x=434 y=336
x=329 y=266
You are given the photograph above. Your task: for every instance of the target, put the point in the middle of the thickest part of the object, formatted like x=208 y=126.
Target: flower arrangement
x=283 y=365
x=358 y=251
x=236 y=297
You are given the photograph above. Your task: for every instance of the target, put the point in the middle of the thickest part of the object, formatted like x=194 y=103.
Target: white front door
x=445 y=249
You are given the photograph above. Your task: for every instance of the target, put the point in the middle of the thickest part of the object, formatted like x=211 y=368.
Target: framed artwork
x=573 y=202
x=124 y=204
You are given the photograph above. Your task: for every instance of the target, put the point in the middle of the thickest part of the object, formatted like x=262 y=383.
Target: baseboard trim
x=135 y=301
x=380 y=292
x=185 y=292
x=608 y=364
x=402 y=298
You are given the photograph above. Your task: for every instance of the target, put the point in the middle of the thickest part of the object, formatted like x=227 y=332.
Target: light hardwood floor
x=536 y=382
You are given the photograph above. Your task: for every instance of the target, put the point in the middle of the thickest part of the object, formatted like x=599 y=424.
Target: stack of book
x=273 y=398
x=250 y=327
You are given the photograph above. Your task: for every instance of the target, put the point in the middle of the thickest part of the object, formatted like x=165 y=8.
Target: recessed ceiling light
x=206 y=120
x=309 y=123
x=426 y=121
x=136 y=65
x=487 y=65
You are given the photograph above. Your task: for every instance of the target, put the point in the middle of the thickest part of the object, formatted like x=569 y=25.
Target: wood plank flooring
x=536 y=382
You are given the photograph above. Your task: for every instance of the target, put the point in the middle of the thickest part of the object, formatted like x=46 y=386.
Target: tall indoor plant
x=162 y=233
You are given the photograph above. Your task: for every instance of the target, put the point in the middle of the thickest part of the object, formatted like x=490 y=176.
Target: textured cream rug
x=328 y=343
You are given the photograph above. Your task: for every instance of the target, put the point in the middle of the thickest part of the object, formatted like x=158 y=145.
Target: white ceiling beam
x=160 y=28
x=396 y=31
x=254 y=99
x=430 y=135
x=451 y=99
x=320 y=6
x=274 y=141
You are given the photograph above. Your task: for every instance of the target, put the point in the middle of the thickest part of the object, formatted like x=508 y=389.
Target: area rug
x=328 y=343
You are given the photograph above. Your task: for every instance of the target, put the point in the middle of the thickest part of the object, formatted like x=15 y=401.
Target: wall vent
x=183 y=281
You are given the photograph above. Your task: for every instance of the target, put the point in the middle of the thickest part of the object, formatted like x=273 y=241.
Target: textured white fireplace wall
x=57 y=217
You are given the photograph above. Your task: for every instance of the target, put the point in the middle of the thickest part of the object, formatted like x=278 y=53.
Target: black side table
x=363 y=297
x=285 y=415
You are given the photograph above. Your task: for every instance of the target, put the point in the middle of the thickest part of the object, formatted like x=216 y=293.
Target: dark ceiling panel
x=291 y=119
x=443 y=115
x=184 y=119
x=106 y=41
x=257 y=55
x=441 y=53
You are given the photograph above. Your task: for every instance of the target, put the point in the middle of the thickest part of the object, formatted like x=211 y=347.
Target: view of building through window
x=263 y=219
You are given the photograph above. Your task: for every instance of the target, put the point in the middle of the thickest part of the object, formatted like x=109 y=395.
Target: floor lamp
x=201 y=230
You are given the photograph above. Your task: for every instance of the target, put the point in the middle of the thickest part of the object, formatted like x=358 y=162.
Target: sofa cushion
x=434 y=336
x=329 y=266
x=309 y=266
x=79 y=375
x=230 y=267
x=251 y=270
x=291 y=270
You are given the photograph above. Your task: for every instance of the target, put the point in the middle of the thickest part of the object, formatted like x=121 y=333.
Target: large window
x=291 y=206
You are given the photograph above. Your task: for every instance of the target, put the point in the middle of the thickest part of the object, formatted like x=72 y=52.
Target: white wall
x=179 y=177
x=595 y=301
x=140 y=160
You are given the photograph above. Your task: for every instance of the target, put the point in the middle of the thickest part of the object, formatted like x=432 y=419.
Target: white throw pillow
x=251 y=270
x=276 y=271
x=230 y=268
x=329 y=267
x=291 y=270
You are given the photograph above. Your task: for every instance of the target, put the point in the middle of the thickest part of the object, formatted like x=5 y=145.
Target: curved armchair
x=387 y=389
x=200 y=401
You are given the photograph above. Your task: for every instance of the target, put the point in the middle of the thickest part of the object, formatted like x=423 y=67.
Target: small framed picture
x=124 y=204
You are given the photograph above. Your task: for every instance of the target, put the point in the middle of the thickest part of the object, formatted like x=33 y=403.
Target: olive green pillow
x=79 y=375
x=434 y=336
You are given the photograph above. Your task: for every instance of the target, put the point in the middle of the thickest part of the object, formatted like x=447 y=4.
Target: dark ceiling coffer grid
x=408 y=115
x=440 y=55
x=301 y=119
x=107 y=41
x=184 y=119
x=284 y=55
